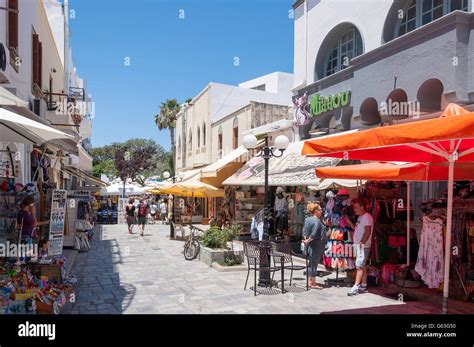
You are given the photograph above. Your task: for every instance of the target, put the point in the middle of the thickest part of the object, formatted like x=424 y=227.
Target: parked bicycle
x=192 y=246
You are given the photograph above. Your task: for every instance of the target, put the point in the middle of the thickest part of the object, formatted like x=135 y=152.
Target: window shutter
x=35 y=59
x=13 y=24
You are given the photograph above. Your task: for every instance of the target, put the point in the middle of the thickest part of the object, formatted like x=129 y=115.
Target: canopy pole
x=408 y=222
x=447 y=250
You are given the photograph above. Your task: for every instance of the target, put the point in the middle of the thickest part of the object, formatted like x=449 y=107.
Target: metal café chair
x=257 y=261
x=282 y=255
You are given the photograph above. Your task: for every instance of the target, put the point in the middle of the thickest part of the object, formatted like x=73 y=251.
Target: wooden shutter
x=36 y=59
x=13 y=24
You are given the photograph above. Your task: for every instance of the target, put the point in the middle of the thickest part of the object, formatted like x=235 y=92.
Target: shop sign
x=319 y=104
x=79 y=194
x=122 y=210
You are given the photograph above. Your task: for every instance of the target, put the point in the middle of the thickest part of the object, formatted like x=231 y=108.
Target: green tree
x=166 y=119
x=149 y=159
x=103 y=160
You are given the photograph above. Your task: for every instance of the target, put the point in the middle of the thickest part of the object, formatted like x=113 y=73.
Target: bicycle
x=192 y=246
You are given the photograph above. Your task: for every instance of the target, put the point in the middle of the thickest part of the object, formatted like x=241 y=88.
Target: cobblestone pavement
x=125 y=273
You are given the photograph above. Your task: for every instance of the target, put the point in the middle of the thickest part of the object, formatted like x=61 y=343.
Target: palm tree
x=166 y=119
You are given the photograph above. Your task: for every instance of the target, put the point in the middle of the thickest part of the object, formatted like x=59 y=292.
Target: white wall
x=276 y=82
x=45 y=17
x=215 y=103
x=226 y=99
x=243 y=119
x=85 y=160
x=32 y=15
x=368 y=16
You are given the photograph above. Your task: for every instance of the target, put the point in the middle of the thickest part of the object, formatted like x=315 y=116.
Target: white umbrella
x=16 y=128
x=113 y=189
x=117 y=189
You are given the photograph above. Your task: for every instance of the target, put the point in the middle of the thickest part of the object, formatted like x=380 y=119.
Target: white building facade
x=211 y=125
x=34 y=36
x=352 y=57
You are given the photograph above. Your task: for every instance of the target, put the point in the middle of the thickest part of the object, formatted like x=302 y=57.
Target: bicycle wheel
x=191 y=249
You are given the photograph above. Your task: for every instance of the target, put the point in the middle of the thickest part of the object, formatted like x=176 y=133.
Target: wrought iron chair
x=257 y=261
x=282 y=255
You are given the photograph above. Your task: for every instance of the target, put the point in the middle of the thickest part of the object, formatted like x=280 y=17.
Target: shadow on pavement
x=99 y=289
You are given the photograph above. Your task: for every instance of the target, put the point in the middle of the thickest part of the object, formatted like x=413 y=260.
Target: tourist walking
x=130 y=211
x=142 y=215
x=163 y=211
x=153 y=211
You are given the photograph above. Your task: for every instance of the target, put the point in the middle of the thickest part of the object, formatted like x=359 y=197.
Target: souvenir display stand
x=80 y=218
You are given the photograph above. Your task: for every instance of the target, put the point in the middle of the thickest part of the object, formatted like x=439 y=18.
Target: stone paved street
x=125 y=273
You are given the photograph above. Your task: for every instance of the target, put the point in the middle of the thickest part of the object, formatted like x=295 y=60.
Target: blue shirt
x=314 y=229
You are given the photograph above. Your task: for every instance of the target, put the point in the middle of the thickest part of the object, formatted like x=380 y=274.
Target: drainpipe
x=66 y=45
x=306 y=41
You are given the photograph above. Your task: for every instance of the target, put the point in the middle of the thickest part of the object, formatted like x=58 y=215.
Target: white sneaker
x=354 y=291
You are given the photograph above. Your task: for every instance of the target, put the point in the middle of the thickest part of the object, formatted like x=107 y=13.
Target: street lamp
x=180 y=176
x=281 y=143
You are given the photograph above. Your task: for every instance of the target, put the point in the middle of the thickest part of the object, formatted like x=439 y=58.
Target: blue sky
x=171 y=57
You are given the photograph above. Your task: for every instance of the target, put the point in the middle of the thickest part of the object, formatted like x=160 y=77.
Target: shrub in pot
x=214 y=238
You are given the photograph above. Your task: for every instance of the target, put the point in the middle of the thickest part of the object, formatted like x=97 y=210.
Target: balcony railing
x=66 y=109
x=54 y=100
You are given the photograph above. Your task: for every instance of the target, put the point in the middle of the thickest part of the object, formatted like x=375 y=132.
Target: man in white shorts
x=362 y=242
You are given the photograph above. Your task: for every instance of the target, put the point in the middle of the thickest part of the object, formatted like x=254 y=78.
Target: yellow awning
x=225 y=167
x=193 y=188
x=155 y=191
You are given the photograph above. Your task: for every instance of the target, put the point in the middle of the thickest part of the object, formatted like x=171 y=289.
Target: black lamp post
x=281 y=143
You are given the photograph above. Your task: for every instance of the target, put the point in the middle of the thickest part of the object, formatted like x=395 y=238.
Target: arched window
x=199 y=137
x=204 y=134
x=235 y=134
x=421 y=12
x=347 y=45
x=219 y=142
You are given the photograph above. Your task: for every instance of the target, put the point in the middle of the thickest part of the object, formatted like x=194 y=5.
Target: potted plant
x=215 y=245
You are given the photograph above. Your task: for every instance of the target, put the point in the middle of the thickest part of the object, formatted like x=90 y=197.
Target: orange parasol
x=448 y=139
x=419 y=172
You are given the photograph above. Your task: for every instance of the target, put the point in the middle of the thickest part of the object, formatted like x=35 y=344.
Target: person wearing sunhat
x=343 y=193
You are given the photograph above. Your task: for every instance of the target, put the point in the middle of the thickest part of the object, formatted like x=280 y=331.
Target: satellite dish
x=3 y=57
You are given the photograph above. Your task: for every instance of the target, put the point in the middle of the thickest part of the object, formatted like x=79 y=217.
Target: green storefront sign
x=320 y=104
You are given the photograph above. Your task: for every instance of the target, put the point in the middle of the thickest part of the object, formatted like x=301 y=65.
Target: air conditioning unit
x=3 y=64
